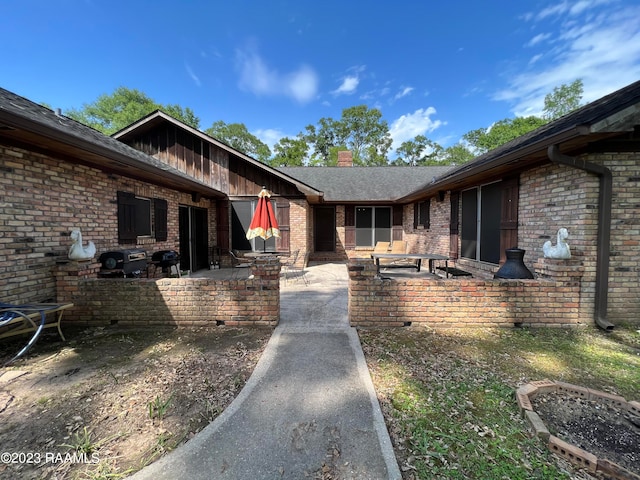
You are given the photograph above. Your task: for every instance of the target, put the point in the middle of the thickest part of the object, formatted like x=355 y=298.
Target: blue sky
x=433 y=68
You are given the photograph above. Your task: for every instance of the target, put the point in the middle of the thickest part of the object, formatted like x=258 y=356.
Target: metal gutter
x=604 y=229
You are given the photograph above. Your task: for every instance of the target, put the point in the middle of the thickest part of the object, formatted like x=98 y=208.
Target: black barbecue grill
x=126 y=263
x=166 y=259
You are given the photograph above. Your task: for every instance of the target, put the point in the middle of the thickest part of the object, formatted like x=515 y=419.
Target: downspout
x=604 y=229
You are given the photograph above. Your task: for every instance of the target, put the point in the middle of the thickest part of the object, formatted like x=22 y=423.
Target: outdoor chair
x=238 y=263
x=21 y=319
x=381 y=247
x=295 y=271
x=289 y=263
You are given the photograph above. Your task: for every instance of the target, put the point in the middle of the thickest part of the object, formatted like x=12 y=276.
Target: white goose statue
x=560 y=249
x=77 y=251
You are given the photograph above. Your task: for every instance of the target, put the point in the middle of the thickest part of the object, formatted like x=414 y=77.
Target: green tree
x=564 y=99
x=110 y=113
x=483 y=140
x=237 y=136
x=290 y=152
x=456 y=154
x=360 y=130
x=419 y=151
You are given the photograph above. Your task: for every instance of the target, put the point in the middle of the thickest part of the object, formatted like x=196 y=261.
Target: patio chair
x=238 y=263
x=289 y=263
x=20 y=319
x=381 y=247
x=296 y=271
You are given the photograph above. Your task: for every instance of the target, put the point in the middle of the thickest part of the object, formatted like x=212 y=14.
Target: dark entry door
x=324 y=222
x=194 y=238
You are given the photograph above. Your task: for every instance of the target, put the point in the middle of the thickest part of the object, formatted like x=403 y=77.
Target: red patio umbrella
x=263 y=223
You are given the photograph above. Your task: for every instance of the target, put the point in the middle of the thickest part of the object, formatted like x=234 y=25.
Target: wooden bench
x=454 y=272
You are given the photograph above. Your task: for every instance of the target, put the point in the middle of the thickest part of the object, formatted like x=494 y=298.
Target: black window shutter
x=421 y=214
x=126 y=217
x=425 y=214
x=160 y=217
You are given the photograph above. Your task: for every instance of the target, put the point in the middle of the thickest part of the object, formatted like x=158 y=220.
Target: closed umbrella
x=264 y=223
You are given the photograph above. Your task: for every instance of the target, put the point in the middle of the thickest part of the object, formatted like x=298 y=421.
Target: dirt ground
x=110 y=400
x=600 y=429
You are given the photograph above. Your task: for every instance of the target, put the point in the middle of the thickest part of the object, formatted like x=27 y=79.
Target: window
x=488 y=228
x=373 y=224
x=135 y=218
x=421 y=215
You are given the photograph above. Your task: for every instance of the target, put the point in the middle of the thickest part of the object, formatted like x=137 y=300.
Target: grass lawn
x=448 y=395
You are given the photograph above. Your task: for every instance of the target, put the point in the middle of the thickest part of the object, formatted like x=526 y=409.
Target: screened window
x=373 y=224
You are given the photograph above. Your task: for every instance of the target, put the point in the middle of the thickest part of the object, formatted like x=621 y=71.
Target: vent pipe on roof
x=604 y=229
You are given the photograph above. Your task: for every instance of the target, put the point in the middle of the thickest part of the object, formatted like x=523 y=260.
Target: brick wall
x=42 y=199
x=434 y=239
x=299 y=226
x=558 y=196
x=169 y=301
x=550 y=301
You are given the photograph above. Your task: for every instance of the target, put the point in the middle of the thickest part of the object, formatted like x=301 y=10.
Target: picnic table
x=401 y=260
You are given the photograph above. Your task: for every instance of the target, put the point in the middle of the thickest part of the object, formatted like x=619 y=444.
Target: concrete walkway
x=308 y=410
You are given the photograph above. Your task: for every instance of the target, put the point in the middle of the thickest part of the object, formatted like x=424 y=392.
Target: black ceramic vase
x=514 y=267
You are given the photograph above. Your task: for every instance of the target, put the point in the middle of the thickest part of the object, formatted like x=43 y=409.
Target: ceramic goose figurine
x=77 y=251
x=560 y=249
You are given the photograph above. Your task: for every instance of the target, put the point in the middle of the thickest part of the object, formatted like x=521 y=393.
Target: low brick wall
x=169 y=301
x=463 y=302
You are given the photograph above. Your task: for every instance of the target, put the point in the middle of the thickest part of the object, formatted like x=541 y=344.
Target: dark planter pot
x=514 y=267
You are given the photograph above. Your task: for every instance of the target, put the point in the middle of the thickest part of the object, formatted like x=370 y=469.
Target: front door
x=324 y=232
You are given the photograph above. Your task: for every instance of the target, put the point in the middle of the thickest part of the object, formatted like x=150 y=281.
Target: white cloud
x=601 y=46
x=541 y=37
x=348 y=86
x=403 y=93
x=192 y=75
x=408 y=126
x=270 y=136
x=257 y=77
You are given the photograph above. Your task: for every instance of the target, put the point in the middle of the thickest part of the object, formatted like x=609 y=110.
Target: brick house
x=159 y=184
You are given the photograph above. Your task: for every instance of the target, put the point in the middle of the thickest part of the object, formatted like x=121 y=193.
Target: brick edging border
x=573 y=454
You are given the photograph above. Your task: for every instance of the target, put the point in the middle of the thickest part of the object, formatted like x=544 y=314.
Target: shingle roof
x=365 y=184
x=19 y=112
